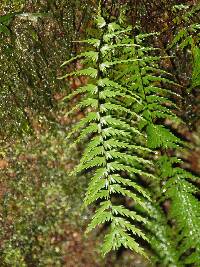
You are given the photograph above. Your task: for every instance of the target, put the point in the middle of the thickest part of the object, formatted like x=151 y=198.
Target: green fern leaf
x=89 y=88
x=196 y=67
x=116 y=238
x=127 y=182
x=93 y=55
x=90 y=129
x=100 y=21
x=92 y=41
x=159 y=136
x=116 y=152
x=84 y=72
x=108 y=36
x=107 y=64
x=113 y=154
x=91 y=117
x=112 y=132
x=181 y=34
x=186 y=209
x=87 y=102
x=161 y=238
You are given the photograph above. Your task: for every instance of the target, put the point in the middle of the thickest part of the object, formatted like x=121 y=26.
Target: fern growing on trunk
x=125 y=105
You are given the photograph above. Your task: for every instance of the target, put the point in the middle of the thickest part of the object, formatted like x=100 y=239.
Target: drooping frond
x=114 y=162
x=147 y=82
x=126 y=102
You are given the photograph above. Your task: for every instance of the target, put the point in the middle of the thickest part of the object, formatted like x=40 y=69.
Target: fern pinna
x=115 y=163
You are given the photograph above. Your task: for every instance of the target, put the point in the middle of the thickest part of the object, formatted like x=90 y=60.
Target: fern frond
x=116 y=166
x=186 y=210
x=182 y=33
x=161 y=91
x=142 y=36
x=110 y=157
x=117 y=107
x=126 y=224
x=127 y=182
x=150 y=78
x=185 y=37
x=100 y=21
x=108 y=93
x=161 y=100
x=112 y=132
x=113 y=84
x=156 y=103
x=165 y=115
x=113 y=154
x=107 y=64
x=106 y=48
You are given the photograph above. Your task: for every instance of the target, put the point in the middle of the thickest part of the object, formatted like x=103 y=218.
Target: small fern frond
x=161 y=91
x=107 y=64
x=116 y=178
x=119 y=123
x=140 y=37
x=90 y=129
x=117 y=107
x=179 y=36
x=107 y=48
